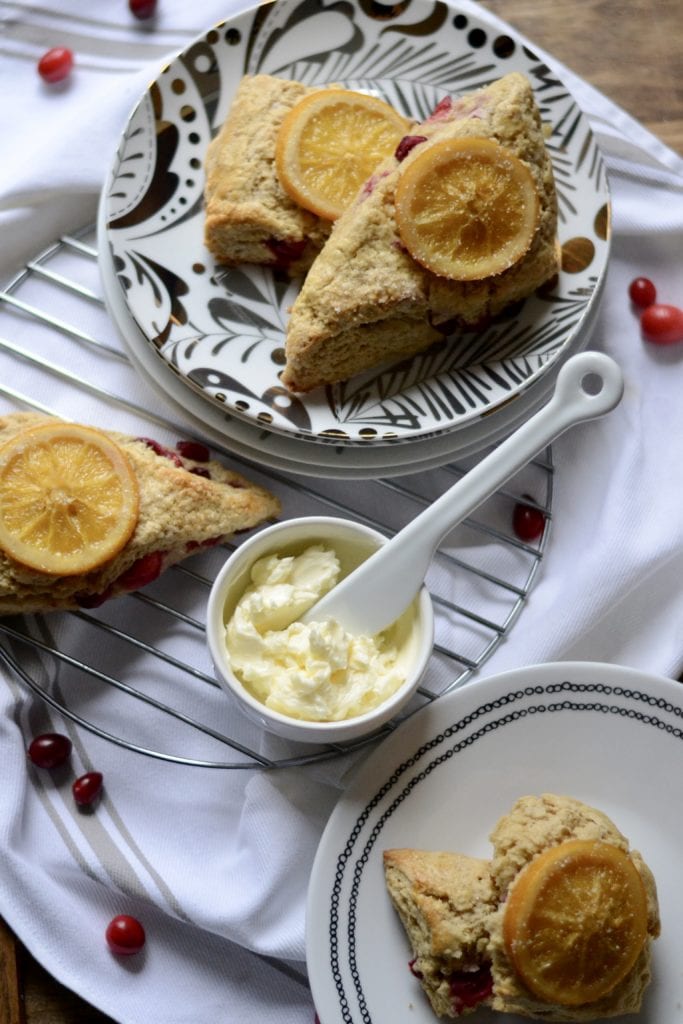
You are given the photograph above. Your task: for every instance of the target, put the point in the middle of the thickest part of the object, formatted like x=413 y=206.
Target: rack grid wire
x=136 y=672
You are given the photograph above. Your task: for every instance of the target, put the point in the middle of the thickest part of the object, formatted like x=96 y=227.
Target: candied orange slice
x=68 y=498
x=467 y=208
x=575 y=921
x=330 y=143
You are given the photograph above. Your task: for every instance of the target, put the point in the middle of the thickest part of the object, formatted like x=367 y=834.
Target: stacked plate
x=211 y=339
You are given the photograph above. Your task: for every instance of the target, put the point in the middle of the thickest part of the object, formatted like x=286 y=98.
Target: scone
x=444 y=901
x=185 y=502
x=534 y=825
x=462 y=915
x=249 y=218
x=366 y=301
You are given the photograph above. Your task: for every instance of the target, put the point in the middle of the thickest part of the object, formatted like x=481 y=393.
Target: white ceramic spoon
x=374 y=595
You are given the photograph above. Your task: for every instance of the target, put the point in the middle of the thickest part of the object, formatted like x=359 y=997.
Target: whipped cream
x=314 y=671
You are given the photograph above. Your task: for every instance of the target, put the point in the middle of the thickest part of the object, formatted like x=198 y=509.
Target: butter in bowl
x=312 y=681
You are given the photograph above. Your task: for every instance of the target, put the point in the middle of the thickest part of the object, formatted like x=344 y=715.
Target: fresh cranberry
x=161 y=449
x=56 y=64
x=662 y=324
x=194 y=450
x=87 y=788
x=142 y=8
x=468 y=988
x=49 y=750
x=125 y=935
x=528 y=522
x=142 y=572
x=408 y=143
x=642 y=292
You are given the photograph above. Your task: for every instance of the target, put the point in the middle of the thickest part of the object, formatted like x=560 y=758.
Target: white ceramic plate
x=222 y=331
x=610 y=736
x=305 y=455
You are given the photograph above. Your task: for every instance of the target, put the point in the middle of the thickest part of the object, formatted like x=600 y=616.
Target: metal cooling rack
x=136 y=672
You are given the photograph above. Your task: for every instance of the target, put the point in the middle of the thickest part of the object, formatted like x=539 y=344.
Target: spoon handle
x=378 y=591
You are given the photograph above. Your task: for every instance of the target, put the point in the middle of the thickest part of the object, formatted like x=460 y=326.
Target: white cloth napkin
x=216 y=863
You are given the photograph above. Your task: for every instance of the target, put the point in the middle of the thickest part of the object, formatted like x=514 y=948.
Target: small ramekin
x=353 y=543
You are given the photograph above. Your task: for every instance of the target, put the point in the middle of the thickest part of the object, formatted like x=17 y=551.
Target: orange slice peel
x=69 y=498
x=330 y=143
x=575 y=921
x=467 y=208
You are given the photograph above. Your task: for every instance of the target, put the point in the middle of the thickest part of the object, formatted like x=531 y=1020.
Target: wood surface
x=631 y=51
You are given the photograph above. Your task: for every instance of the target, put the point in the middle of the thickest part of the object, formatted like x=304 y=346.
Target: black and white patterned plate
x=610 y=736
x=222 y=331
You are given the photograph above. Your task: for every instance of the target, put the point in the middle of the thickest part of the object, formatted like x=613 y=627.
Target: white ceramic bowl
x=353 y=543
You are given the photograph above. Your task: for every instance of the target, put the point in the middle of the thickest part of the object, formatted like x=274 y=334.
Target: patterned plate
x=222 y=330
x=610 y=736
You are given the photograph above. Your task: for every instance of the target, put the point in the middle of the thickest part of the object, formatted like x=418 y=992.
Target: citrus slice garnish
x=575 y=921
x=68 y=498
x=330 y=143
x=467 y=208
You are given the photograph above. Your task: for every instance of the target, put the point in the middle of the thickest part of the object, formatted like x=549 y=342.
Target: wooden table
x=630 y=50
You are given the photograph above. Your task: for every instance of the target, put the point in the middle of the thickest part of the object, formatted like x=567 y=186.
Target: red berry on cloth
x=527 y=522
x=125 y=935
x=87 y=788
x=49 y=750
x=56 y=64
x=662 y=324
x=142 y=8
x=642 y=292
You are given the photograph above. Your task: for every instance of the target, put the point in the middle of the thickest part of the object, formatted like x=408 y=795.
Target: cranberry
x=194 y=545
x=142 y=8
x=528 y=522
x=125 y=935
x=85 y=600
x=56 y=64
x=161 y=449
x=49 y=750
x=194 y=450
x=442 y=109
x=200 y=471
x=407 y=143
x=662 y=324
x=87 y=788
x=470 y=987
x=286 y=252
x=142 y=572
x=642 y=292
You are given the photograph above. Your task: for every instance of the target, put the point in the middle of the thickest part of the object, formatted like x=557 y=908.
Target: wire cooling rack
x=136 y=672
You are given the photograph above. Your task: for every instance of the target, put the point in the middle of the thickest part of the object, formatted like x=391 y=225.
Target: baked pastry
x=185 y=502
x=468 y=917
x=366 y=301
x=249 y=218
x=444 y=901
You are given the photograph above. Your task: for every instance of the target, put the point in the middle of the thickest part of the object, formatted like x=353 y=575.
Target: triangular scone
x=249 y=216
x=366 y=301
x=444 y=901
x=185 y=504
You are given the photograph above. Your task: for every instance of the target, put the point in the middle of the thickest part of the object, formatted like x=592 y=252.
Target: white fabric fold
x=216 y=863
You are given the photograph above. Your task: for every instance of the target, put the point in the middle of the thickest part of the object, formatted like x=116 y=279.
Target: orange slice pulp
x=466 y=208
x=330 y=143
x=575 y=921
x=68 y=498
